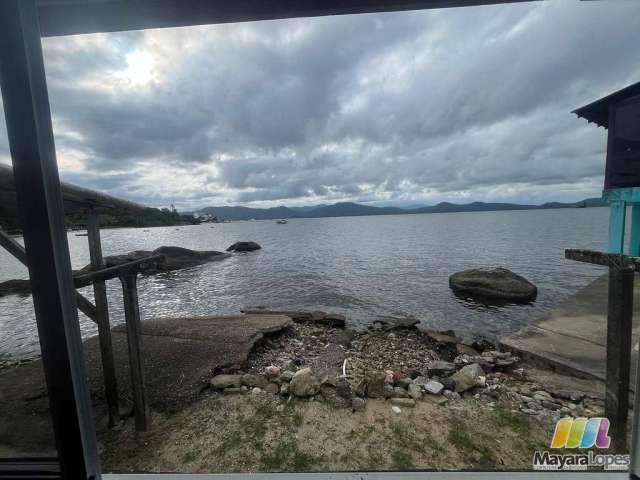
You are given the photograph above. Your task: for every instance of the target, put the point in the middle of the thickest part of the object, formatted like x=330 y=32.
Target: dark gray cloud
x=454 y=104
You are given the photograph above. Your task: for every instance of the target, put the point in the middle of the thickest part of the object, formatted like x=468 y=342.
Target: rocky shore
x=315 y=360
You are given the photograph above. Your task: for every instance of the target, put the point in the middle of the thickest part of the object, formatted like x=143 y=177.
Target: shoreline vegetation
x=113 y=218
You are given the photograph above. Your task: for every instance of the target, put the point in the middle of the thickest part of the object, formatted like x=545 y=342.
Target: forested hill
x=348 y=209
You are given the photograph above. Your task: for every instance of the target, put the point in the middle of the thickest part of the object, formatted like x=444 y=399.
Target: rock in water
x=468 y=377
x=15 y=287
x=497 y=283
x=244 y=247
x=175 y=258
x=304 y=383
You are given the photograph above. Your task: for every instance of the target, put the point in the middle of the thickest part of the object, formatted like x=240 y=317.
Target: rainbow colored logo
x=581 y=433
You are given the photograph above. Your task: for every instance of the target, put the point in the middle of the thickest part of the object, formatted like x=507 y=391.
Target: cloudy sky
x=397 y=108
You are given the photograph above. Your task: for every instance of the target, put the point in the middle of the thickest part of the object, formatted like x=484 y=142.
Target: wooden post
x=40 y=209
x=134 y=341
x=619 y=316
x=102 y=318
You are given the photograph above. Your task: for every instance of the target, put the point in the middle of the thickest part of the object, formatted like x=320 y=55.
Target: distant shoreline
x=349 y=209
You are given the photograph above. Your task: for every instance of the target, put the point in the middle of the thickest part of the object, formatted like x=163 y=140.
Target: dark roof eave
x=72 y=17
x=598 y=112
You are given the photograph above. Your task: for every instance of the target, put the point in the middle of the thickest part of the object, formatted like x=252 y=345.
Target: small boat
x=281 y=222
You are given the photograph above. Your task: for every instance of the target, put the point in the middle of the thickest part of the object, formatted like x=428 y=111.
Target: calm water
x=364 y=267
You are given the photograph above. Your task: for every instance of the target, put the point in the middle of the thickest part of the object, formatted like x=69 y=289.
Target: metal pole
x=619 y=317
x=102 y=311
x=28 y=119
x=134 y=342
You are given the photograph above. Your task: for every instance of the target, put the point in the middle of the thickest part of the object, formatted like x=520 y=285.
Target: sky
x=466 y=104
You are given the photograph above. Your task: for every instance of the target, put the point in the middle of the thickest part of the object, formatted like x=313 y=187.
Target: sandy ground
x=259 y=433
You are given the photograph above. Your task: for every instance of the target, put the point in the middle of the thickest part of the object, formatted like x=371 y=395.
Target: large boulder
x=175 y=258
x=15 y=287
x=304 y=383
x=496 y=283
x=468 y=377
x=244 y=247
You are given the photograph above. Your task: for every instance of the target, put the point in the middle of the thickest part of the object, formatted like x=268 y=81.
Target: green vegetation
x=476 y=448
x=402 y=460
x=287 y=456
x=506 y=418
x=117 y=217
x=149 y=217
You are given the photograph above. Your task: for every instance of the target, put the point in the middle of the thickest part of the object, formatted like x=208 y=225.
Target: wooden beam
x=13 y=247
x=71 y=17
x=603 y=259
x=40 y=209
x=102 y=317
x=84 y=279
x=134 y=342
x=619 y=318
x=18 y=251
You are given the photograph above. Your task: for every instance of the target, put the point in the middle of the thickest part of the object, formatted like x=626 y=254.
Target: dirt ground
x=259 y=433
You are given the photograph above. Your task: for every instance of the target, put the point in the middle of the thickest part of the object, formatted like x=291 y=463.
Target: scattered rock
x=399 y=392
x=448 y=382
x=404 y=382
x=287 y=375
x=437 y=399
x=272 y=388
x=343 y=388
x=391 y=323
x=498 y=283
x=468 y=377
x=256 y=391
x=233 y=391
x=466 y=350
x=220 y=382
x=360 y=388
x=304 y=383
x=403 y=402
x=330 y=395
x=244 y=247
x=272 y=371
x=415 y=391
x=433 y=387
x=375 y=382
x=335 y=320
x=440 y=368
x=443 y=337
x=253 y=380
x=451 y=395
x=396 y=409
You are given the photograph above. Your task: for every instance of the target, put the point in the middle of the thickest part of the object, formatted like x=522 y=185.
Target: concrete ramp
x=572 y=336
x=179 y=357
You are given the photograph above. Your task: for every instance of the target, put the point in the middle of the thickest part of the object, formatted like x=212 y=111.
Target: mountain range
x=350 y=209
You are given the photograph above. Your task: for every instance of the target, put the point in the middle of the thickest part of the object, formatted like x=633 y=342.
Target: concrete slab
x=572 y=337
x=180 y=356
